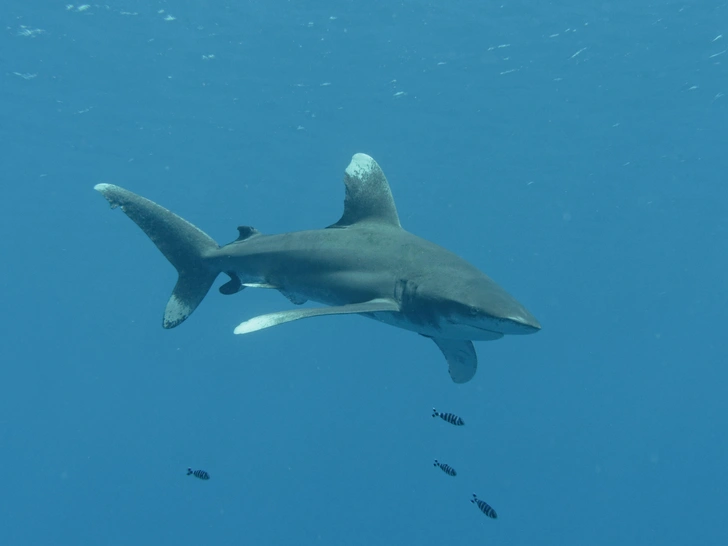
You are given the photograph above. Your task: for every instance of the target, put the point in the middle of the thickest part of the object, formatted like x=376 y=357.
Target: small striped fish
x=198 y=474
x=449 y=417
x=446 y=468
x=484 y=507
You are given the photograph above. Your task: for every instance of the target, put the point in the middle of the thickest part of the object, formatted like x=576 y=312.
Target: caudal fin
x=183 y=244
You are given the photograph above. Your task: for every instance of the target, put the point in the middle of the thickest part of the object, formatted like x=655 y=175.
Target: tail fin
x=183 y=244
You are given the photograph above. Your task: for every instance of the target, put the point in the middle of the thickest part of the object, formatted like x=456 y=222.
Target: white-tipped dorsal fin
x=368 y=196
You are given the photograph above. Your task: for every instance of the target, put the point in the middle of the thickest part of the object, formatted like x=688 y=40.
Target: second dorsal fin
x=246 y=232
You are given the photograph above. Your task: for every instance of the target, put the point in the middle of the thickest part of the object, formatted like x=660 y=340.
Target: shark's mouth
x=466 y=325
x=463 y=330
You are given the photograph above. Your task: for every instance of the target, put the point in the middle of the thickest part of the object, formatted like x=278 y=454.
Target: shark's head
x=477 y=308
x=489 y=307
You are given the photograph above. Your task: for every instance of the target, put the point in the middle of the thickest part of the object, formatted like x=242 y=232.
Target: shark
x=364 y=264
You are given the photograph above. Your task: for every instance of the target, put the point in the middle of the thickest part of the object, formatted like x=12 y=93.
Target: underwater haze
x=575 y=151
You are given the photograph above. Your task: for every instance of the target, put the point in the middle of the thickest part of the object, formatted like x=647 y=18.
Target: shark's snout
x=520 y=324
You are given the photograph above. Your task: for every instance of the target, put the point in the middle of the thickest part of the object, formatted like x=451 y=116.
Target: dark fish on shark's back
x=363 y=264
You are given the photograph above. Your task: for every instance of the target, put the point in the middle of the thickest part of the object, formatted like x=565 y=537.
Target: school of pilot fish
x=446 y=468
x=450 y=471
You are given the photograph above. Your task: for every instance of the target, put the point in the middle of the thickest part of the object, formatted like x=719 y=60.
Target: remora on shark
x=363 y=264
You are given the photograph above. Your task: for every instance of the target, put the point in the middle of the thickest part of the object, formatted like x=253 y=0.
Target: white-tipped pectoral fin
x=274 y=319
x=461 y=358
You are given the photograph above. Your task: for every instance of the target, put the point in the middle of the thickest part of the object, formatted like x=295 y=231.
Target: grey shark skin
x=363 y=264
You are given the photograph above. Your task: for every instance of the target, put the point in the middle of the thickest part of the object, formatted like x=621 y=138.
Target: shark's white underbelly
x=442 y=328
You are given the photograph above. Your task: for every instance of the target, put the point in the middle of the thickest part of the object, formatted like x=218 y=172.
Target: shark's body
x=364 y=264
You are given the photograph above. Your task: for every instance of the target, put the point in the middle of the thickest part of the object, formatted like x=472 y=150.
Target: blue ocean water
x=574 y=151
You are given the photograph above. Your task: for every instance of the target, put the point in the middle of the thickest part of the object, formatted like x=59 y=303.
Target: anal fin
x=233 y=286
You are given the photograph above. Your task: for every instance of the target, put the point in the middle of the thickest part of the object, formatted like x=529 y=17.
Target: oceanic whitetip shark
x=364 y=264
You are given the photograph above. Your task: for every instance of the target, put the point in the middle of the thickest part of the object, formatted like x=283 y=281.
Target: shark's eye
x=473 y=311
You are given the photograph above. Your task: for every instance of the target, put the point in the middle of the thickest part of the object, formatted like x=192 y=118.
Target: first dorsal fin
x=246 y=232
x=368 y=197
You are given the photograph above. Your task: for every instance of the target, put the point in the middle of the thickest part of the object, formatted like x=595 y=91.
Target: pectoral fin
x=273 y=319
x=461 y=358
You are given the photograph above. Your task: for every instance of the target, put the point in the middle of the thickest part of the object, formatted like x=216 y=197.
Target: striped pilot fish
x=446 y=468
x=449 y=417
x=201 y=474
x=484 y=507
